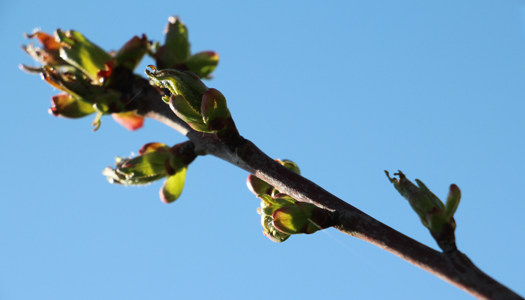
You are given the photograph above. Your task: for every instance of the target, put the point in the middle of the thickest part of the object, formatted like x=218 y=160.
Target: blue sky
x=346 y=89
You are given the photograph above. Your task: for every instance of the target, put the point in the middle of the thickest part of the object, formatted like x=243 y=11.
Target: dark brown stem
x=455 y=267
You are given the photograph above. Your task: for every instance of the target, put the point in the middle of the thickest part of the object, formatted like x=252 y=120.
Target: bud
x=155 y=161
x=454 y=195
x=203 y=109
x=434 y=215
x=183 y=83
x=258 y=186
x=214 y=110
x=436 y=220
x=300 y=218
x=281 y=213
x=423 y=206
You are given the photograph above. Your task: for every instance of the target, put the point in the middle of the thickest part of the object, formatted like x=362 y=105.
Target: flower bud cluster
x=155 y=161
x=89 y=76
x=281 y=215
x=83 y=71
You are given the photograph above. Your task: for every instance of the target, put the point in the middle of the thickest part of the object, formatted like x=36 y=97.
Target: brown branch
x=455 y=267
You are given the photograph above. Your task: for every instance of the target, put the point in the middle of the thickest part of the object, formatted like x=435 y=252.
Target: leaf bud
x=454 y=195
x=258 y=186
x=215 y=113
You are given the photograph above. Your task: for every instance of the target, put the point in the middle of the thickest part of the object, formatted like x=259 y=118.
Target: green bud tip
x=454 y=196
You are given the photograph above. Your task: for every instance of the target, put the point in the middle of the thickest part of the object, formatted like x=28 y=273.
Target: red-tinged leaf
x=129 y=120
x=152 y=147
x=132 y=52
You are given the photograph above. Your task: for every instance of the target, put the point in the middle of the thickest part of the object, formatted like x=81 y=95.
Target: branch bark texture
x=455 y=268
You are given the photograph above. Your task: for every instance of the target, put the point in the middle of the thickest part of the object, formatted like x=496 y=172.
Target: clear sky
x=346 y=89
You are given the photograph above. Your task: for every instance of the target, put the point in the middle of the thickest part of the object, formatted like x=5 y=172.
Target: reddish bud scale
x=169 y=169
x=47 y=40
x=105 y=73
x=150 y=147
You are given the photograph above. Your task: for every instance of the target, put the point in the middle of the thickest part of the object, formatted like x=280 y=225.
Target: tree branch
x=455 y=267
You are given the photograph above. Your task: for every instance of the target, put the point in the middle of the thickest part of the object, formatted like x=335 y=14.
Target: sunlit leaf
x=203 y=63
x=173 y=186
x=66 y=106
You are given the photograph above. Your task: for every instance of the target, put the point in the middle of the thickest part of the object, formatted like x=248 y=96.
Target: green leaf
x=453 y=198
x=300 y=219
x=149 y=164
x=214 y=109
x=290 y=220
x=132 y=52
x=183 y=110
x=83 y=54
x=176 y=48
x=421 y=204
x=173 y=186
x=203 y=63
x=431 y=195
x=65 y=105
x=183 y=83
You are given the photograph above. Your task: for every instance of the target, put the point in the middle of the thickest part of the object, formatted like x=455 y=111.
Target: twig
x=455 y=268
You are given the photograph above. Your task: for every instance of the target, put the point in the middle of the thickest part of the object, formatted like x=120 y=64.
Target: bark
x=454 y=267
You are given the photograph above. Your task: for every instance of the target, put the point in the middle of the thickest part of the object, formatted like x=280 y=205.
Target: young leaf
x=82 y=53
x=172 y=187
x=203 y=63
x=65 y=105
x=453 y=198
